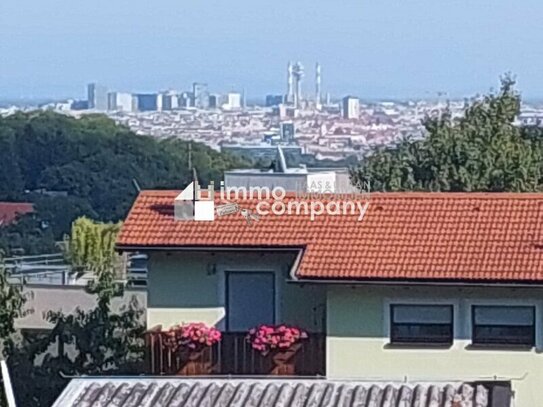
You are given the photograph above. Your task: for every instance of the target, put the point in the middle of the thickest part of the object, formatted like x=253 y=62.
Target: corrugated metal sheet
x=179 y=392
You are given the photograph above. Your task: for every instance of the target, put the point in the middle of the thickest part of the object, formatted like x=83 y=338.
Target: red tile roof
x=10 y=210
x=404 y=236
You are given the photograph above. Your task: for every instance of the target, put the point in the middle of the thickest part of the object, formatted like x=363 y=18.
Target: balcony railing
x=233 y=355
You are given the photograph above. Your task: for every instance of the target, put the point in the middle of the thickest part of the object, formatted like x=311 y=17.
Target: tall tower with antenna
x=298 y=75
x=290 y=84
x=318 y=96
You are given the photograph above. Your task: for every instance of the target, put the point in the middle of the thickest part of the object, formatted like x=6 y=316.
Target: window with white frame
x=503 y=325
x=421 y=324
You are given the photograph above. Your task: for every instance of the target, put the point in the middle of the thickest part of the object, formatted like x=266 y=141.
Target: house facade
x=426 y=287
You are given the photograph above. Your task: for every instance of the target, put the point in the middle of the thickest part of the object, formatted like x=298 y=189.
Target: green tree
x=91 y=245
x=485 y=150
x=87 y=166
x=87 y=342
x=12 y=301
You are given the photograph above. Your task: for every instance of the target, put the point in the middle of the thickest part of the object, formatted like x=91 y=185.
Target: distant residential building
x=351 y=107
x=97 y=97
x=274 y=100
x=120 y=102
x=147 y=102
x=287 y=131
x=201 y=95
x=233 y=101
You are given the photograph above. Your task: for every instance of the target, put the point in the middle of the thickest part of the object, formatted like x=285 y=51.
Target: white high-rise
x=351 y=107
x=233 y=101
x=318 y=96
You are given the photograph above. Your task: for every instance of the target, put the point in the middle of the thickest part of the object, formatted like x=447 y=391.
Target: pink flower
x=266 y=338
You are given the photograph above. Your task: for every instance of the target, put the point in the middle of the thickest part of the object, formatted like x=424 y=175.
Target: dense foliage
x=485 y=150
x=11 y=308
x=74 y=167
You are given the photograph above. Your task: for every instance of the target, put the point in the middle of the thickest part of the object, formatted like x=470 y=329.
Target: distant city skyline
x=374 y=50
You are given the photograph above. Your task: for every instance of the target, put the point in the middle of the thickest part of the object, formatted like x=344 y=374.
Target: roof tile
x=430 y=236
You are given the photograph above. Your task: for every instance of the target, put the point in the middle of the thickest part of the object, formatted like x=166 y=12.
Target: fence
x=233 y=355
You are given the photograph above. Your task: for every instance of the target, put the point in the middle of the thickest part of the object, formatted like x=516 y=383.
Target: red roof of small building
x=403 y=236
x=10 y=210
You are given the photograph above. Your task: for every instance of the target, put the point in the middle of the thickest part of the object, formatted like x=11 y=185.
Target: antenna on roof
x=195 y=181
x=281 y=162
x=136 y=185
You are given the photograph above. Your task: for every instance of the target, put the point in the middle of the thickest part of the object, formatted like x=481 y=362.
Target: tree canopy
x=484 y=150
x=72 y=167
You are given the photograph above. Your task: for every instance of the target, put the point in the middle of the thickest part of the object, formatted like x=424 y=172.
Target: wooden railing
x=233 y=355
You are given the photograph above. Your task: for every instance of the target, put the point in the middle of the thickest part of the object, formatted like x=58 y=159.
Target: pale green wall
x=189 y=287
x=357 y=340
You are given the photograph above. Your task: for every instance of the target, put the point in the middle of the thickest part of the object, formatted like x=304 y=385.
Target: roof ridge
x=395 y=194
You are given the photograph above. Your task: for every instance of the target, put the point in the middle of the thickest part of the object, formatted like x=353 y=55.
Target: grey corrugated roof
x=187 y=392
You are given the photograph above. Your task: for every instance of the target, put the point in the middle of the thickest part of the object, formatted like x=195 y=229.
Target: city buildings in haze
x=97 y=97
x=120 y=102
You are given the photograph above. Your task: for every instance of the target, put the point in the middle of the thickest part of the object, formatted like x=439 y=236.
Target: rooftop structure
x=291 y=179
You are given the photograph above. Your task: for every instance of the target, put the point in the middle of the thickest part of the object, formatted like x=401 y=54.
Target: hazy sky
x=372 y=48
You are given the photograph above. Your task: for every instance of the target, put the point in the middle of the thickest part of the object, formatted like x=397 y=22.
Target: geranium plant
x=267 y=338
x=193 y=337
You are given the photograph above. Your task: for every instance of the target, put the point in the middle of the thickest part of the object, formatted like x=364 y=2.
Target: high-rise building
x=186 y=100
x=97 y=97
x=147 y=102
x=351 y=107
x=112 y=101
x=290 y=84
x=120 y=102
x=233 y=101
x=318 y=96
x=201 y=95
x=169 y=100
x=298 y=75
x=215 y=101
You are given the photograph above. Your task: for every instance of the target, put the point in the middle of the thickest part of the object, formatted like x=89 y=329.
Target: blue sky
x=372 y=48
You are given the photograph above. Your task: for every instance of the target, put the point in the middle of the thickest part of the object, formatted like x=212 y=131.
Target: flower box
x=280 y=343
x=192 y=345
